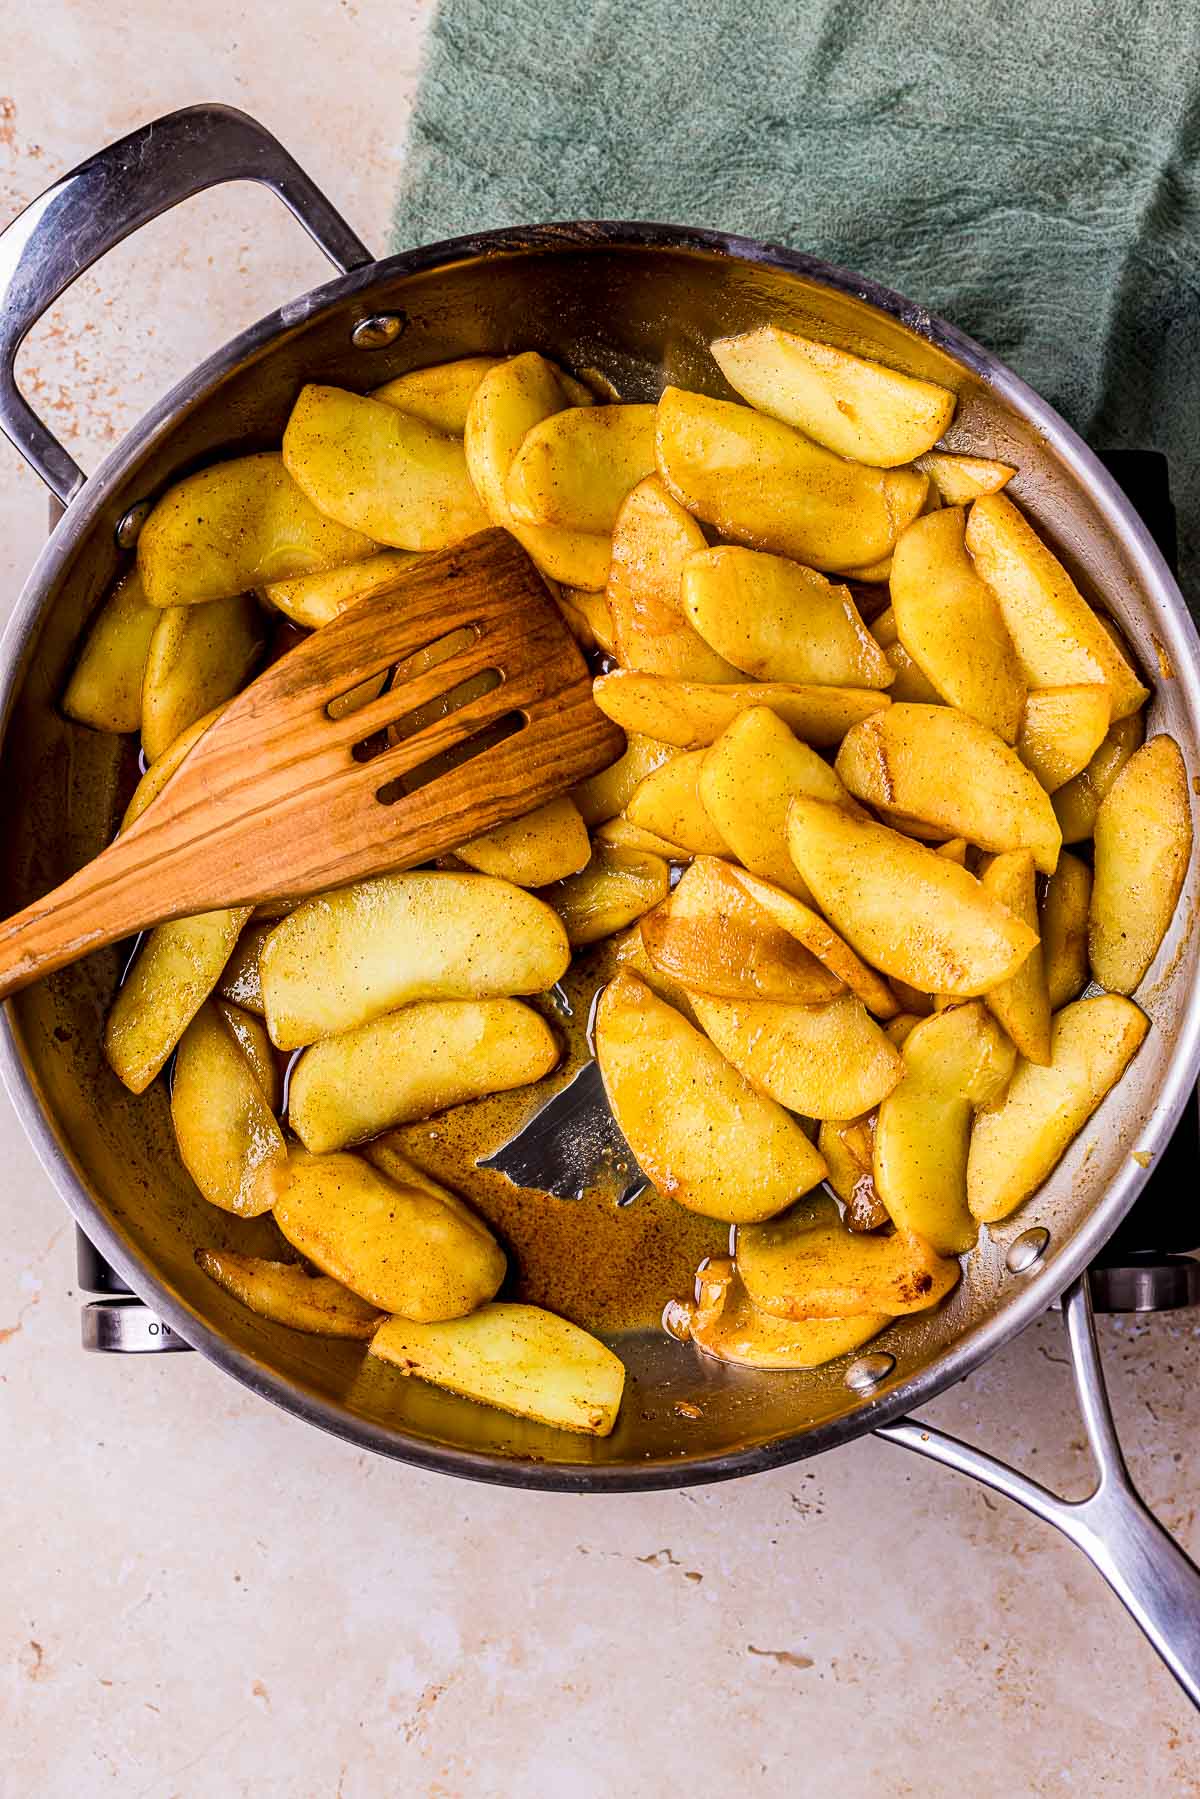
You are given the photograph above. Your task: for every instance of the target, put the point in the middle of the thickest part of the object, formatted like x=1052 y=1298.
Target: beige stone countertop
x=201 y=1596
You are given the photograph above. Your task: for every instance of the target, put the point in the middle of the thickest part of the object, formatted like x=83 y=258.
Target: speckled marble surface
x=203 y=1597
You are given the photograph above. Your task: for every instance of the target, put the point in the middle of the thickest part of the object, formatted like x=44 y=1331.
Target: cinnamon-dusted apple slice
x=286 y=1294
x=575 y=468
x=808 y=1265
x=1017 y=1144
x=713 y=936
x=508 y=402
x=747 y=780
x=692 y=714
x=653 y=540
x=1022 y=1003
x=780 y=621
x=1078 y=801
x=616 y=888
x=1064 y=928
x=517 y=1358
x=763 y=484
x=1143 y=846
x=944 y=769
x=952 y=626
x=847 y=1146
x=910 y=912
x=1059 y=640
x=602 y=796
x=826 y=1061
x=669 y=802
x=856 y=407
x=724 y=1323
x=954 y=1062
x=819 y=937
x=441 y=394
x=957 y=480
x=696 y=1126
x=1061 y=731
x=379 y=471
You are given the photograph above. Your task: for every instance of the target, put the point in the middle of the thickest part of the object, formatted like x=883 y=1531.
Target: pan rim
x=891 y=1400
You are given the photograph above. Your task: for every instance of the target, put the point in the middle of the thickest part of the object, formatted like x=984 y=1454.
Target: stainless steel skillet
x=640 y=303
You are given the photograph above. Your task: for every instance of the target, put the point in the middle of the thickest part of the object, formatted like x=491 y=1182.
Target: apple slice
x=810 y=929
x=1016 y=1145
x=952 y=626
x=508 y=402
x=697 y=1127
x=944 y=769
x=1022 y=1003
x=763 y=484
x=846 y=1145
x=603 y=796
x=377 y=470
x=1064 y=927
x=747 y=780
x=1061 y=731
x=692 y=714
x=619 y=834
x=1078 y=801
x=394 y=1244
x=615 y=889
x=907 y=910
x=958 y=480
x=440 y=394
x=233 y=526
x=779 y=621
x=827 y=1061
x=575 y=468
x=653 y=538
x=954 y=1062
x=668 y=802
x=1143 y=847
x=711 y=935
x=1059 y=640
x=908 y=681
x=857 y=408
x=517 y=1358
x=808 y=1265
x=541 y=846
x=725 y=1324
x=105 y=689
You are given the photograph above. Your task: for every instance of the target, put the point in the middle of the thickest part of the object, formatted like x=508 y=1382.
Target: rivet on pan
x=130 y=525
x=869 y=1370
x=373 y=333
x=1027 y=1250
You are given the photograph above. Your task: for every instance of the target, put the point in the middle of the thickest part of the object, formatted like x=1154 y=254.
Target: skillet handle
x=1142 y=1563
x=95 y=206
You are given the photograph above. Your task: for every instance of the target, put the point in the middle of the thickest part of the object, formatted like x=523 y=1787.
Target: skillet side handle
x=103 y=200
x=1150 y=1574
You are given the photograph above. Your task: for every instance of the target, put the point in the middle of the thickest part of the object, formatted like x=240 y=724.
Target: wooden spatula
x=279 y=798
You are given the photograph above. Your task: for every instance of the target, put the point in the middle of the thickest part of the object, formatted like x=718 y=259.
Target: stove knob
x=127 y=1327
x=1155 y=1284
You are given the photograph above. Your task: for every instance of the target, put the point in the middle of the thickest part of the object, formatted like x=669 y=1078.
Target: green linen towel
x=1028 y=168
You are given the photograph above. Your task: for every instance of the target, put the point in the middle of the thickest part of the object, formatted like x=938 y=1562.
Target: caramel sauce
x=605 y=1266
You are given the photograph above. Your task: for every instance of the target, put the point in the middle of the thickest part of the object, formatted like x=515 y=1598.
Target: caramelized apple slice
x=698 y=1129
x=954 y=1062
x=910 y=912
x=1017 y=1144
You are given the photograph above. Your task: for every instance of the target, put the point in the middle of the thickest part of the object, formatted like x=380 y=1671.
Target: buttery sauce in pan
x=605 y=1266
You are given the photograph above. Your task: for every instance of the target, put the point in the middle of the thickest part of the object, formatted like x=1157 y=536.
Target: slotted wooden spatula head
x=301 y=785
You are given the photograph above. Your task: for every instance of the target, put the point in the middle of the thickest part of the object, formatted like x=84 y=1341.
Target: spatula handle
x=110 y=898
